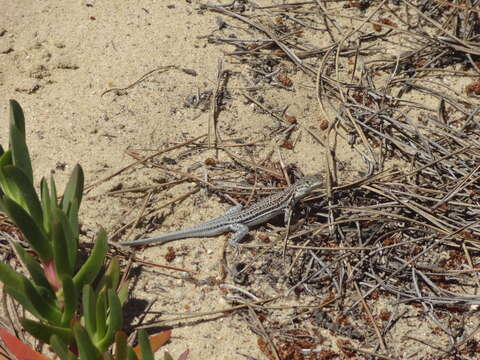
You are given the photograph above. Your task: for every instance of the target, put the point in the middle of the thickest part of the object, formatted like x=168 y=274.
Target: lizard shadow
x=137 y=310
x=152 y=329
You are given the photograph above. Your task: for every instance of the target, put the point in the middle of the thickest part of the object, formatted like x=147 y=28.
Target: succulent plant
x=77 y=319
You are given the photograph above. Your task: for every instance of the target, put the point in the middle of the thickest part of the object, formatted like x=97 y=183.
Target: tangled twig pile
x=411 y=235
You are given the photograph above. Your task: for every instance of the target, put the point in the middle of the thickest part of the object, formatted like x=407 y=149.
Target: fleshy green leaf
x=101 y=315
x=69 y=300
x=32 y=232
x=18 y=144
x=9 y=276
x=131 y=354
x=65 y=236
x=53 y=193
x=114 y=272
x=123 y=292
x=73 y=190
x=114 y=320
x=43 y=305
x=112 y=276
x=156 y=341
x=71 y=235
x=61 y=236
x=12 y=281
x=44 y=332
x=19 y=188
x=72 y=218
x=60 y=348
x=89 y=313
x=85 y=346
x=145 y=349
x=17 y=118
x=22 y=299
x=6 y=158
x=46 y=206
x=89 y=270
x=60 y=259
x=34 y=268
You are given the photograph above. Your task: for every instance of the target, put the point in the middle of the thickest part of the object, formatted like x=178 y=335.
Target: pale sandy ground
x=58 y=57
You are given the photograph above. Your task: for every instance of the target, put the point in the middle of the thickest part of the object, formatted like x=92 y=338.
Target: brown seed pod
x=210 y=162
x=287 y=144
x=284 y=80
x=290 y=118
x=324 y=124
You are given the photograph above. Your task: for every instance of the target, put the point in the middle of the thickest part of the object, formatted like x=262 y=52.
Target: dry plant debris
x=388 y=267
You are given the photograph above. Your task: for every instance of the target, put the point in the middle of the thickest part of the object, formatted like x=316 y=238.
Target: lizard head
x=307 y=184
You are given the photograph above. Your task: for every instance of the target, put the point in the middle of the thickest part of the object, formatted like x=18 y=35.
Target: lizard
x=239 y=220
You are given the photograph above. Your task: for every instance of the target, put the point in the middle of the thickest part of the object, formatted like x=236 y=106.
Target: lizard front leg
x=233 y=209
x=288 y=212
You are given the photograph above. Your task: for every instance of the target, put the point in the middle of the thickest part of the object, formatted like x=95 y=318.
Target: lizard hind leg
x=287 y=215
x=239 y=232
